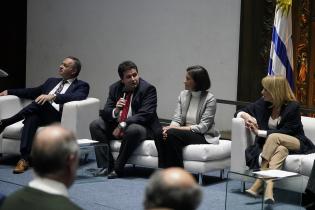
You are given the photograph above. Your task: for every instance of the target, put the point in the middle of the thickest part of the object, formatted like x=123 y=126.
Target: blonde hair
x=279 y=89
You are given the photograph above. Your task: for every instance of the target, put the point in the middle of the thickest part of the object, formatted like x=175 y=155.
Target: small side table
x=237 y=198
x=86 y=146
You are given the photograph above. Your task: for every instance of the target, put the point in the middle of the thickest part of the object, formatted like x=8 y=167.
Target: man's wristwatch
x=54 y=97
x=122 y=125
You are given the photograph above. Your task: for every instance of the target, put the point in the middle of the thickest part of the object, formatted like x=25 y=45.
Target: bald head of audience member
x=55 y=154
x=172 y=188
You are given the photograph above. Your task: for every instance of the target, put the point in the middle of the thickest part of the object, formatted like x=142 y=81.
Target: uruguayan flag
x=281 y=51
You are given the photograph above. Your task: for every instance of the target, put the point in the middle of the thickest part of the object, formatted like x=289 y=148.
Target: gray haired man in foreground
x=54 y=158
x=172 y=189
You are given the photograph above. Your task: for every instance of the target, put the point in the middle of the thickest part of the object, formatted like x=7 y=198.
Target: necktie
x=124 y=111
x=59 y=89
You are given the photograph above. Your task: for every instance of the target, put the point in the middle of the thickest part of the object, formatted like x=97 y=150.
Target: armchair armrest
x=77 y=116
x=9 y=105
x=241 y=139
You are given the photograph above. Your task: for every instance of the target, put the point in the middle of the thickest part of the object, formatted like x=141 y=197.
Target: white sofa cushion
x=206 y=166
x=198 y=152
x=207 y=152
x=145 y=161
x=293 y=163
x=13 y=131
x=307 y=164
x=146 y=148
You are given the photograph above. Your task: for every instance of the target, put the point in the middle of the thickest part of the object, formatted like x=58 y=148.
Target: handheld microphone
x=124 y=90
x=3 y=73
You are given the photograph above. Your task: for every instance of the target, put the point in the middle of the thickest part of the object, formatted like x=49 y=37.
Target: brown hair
x=200 y=76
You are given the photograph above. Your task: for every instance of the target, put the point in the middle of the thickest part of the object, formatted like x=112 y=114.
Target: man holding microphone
x=129 y=114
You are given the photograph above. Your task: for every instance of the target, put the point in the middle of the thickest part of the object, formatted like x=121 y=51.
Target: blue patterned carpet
x=127 y=193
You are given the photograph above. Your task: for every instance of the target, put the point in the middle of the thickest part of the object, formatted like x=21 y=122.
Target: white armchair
x=299 y=163
x=76 y=116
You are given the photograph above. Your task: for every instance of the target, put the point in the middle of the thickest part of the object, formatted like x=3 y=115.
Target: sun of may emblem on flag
x=284 y=6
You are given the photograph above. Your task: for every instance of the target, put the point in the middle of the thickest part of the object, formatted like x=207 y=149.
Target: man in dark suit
x=129 y=114
x=47 y=105
x=55 y=156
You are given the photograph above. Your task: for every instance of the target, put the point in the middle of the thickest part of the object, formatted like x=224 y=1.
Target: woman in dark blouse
x=276 y=121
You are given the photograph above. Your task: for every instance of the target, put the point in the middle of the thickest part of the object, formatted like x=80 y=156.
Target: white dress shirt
x=64 y=89
x=49 y=186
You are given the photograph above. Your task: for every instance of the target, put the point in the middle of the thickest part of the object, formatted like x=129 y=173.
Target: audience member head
x=70 y=67
x=277 y=90
x=200 y=77
x=128 y=73
x=172 y=188
x=55 y=154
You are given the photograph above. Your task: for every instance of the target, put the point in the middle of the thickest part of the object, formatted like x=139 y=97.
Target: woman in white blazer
x=193 y=121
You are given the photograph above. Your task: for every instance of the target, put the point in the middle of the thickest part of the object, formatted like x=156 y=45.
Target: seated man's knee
x=31 y=118
x=135 y=129
x=95 y=125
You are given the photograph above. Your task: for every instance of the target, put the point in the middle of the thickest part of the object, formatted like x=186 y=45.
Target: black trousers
x=102 y=132
x=35 y=115
x=175 y=141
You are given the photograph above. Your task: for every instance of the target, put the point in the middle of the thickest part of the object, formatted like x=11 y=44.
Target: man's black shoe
x=112 y=175
x=101 y=172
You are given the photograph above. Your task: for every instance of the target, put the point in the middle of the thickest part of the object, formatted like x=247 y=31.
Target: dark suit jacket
x=78 y=90
x=290 y=124
x=29 y=198
x=143 y=105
